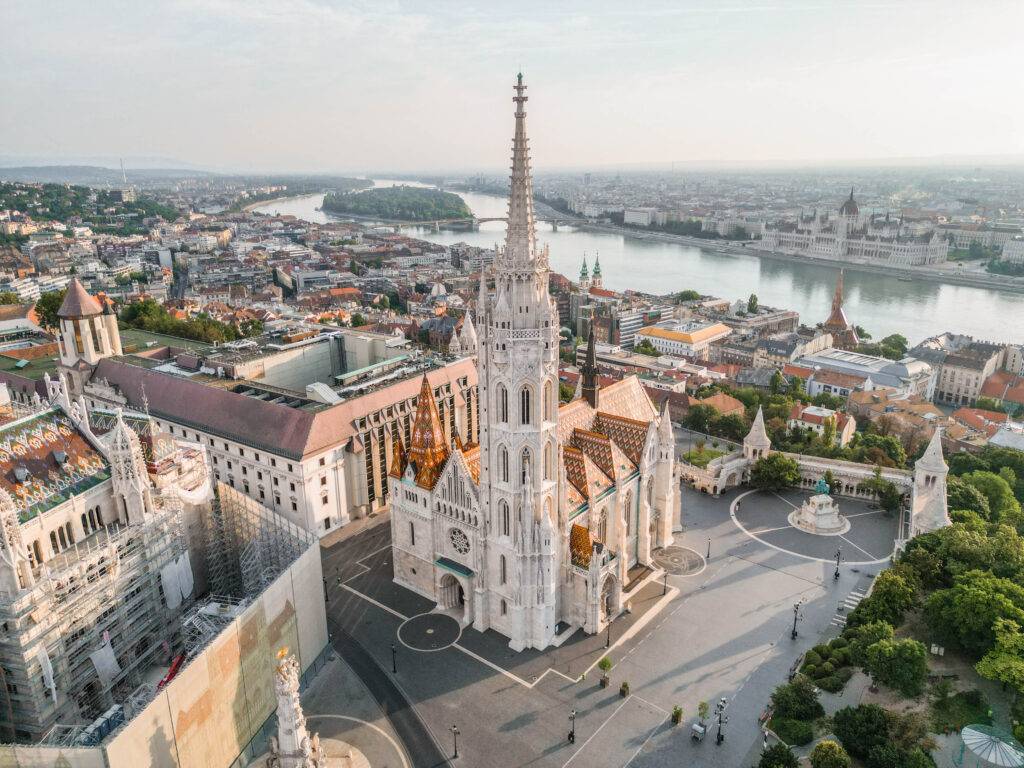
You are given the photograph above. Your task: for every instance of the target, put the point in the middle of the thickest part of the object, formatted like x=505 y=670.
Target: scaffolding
x=105 y=589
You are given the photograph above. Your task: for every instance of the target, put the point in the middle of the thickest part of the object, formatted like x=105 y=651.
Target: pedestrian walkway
x=847 y=604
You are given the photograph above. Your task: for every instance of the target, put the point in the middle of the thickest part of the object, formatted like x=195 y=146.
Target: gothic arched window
x=525 y=406
x=548 y=400
x=502 y=404
x=504 y=570
x=506 y=521
x=548 y=460
x=503 y=463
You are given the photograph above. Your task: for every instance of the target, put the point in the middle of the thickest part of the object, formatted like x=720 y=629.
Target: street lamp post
x=394 y=660
x=608 y=636
x=709 y=548
x=722 y=719
x=796 y=616
x=839 y=555
x=572 y=727
x=455 y=737
x=664 y=583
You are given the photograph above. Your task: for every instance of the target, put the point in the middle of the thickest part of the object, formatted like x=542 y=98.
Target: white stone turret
x=757 y=444
x=294 y=746
x=15 y=568
x=468 y=339
x=929 y=508
x=128 y=473
x=454 y=345
x=664 y=501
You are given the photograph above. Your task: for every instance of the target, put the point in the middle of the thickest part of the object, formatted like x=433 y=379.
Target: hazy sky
x=318 y=85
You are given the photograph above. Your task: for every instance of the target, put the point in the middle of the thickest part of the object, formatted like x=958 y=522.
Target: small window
x=323 y=499
x=412 y=533
x=291 y=487
x=323 y=480
x=257 y=457
x=322 y=461
x=241 y=451
x=289 y=467
x=504 y=608
x=295 y=507
x=273 y=462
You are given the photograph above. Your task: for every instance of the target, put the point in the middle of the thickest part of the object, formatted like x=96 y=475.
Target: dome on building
x=850 y=207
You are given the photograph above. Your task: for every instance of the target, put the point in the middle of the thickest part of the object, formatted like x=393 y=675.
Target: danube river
x=879 y=303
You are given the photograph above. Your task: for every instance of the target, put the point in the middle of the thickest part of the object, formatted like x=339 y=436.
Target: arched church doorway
x=609 y=595
x=452 y=594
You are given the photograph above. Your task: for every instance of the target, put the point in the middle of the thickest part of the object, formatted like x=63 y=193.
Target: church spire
x=588 y=372
x=521 y=238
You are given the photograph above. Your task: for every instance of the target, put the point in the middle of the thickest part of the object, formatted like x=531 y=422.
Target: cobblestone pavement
x=720 y=630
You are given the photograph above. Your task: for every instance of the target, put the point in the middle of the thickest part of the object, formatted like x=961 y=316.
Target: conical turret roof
x=78 y=302
x=932 y=460
x=758 y=435
x=427 y=448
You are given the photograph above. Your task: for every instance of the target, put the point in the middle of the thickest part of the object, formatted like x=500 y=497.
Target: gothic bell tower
x=518 y=382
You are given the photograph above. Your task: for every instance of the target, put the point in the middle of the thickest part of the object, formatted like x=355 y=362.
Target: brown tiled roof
x=580 y=546
x=629 y=434
x=31 y=444
x=272 y=427
x=78 y=302
x=597 y=447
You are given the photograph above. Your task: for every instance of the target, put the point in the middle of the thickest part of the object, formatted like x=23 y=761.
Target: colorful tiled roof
x=45 y=460
x=428 y=450
x=580 y=546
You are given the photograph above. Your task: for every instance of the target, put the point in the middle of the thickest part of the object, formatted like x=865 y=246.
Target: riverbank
x=261 y=203
x=988 y=282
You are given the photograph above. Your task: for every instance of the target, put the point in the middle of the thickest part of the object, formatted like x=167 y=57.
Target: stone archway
x=610 y=598
x=451 y=595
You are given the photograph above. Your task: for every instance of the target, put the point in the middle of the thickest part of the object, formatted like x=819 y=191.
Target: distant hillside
x=91 y=175
x=400 y=204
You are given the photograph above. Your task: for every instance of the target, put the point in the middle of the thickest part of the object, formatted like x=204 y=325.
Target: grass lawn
x=701 y=458
x=963 y=708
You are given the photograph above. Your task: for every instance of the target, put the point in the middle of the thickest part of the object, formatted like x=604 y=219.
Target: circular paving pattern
x=764 y=517
x=679 y=561
x=429 y=632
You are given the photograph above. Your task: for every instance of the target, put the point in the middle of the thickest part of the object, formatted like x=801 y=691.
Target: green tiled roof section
x=451 y=565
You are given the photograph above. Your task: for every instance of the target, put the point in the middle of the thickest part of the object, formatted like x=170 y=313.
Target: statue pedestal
x=819 y=515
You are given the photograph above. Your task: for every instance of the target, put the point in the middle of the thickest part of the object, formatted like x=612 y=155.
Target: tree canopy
x=400 y=204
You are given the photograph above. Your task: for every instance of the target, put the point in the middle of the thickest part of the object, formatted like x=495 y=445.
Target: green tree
x=9 y=297
x=1004 y=662
x=861 y=728
x=828 y=433
x=863 y=636
x=997 y=491
x=731 y=426
x=700 y=417
x=899 y=664
x=47 y=306
x=892 y=596
x=962 y=495
x=833 y=483
x=776 y=384
x=829 y=754
x=775 y=472
x=688 y=295
x=966 y=613
x=797 y=700
x=357 y=320
x=778 y=756
x=645 y=347
x=565 y=392
x=752 y=303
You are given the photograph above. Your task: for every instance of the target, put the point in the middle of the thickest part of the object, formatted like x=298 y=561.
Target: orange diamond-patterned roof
x=398 y=457
x=427 y=448
x=579 y=545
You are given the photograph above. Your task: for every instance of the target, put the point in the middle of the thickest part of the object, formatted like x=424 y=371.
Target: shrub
x=844 y=674
x=813 y=659
x=797 y=700
x=794 y=732
x=886 y=756
x=832 y=684
x=861 y=728
x=826 y=669
x=822 y=650
x=829 y=754
x=838 y=642
x=899 y=664
x=605 y=665
x=778 y=756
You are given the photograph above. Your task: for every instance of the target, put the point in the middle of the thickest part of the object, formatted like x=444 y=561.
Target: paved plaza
x=701 y=629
